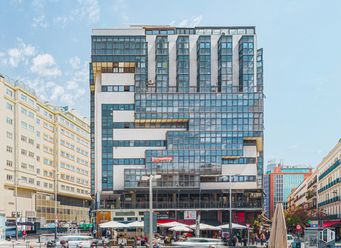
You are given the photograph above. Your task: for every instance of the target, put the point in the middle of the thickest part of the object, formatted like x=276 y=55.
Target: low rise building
x=44 y=158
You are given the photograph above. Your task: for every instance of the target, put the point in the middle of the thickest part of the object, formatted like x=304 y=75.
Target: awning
x=329 y=223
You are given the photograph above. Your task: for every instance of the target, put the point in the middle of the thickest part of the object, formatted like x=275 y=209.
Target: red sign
x=161 y=159
x=298 y=227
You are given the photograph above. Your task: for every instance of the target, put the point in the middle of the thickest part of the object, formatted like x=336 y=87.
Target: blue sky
x=47 y=45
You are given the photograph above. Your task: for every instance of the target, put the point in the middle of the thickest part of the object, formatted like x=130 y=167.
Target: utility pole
x=150 y=211
x=230 y=219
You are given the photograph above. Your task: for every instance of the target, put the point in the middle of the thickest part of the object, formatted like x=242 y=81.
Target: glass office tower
x=183 y=103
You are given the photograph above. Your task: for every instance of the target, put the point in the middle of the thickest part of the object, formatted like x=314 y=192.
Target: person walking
x=23 y=233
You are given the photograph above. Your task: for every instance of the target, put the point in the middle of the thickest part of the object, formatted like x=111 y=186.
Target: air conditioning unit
x=150 y=82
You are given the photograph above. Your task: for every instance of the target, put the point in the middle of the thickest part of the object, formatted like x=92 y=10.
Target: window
x=9 y=135
x=23 y=97
x=9 y=92
x=9 y=163
x=9 y=106
x=9 y=177
x=9 y=148
x=9 y=121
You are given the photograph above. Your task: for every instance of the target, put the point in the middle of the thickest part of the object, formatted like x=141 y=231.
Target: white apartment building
x=329 y=188
x=298 y=196
x=44 y=152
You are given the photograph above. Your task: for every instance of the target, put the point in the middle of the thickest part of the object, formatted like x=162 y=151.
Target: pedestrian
x=24 y=234
x=94 y=232
x=262 y=239
x=156 y=244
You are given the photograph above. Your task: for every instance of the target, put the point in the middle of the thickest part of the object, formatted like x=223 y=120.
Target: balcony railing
x=331 y=200
x=186 y=205
x=331 y=184
x=327 y=217
x=330 y=169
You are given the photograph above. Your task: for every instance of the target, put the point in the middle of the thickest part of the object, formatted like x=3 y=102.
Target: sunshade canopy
x=113 y=224
x=234 y=226
x=180 y=229
x=206 y=227
x=171 y=224
x=136 y=224
x=278 y=234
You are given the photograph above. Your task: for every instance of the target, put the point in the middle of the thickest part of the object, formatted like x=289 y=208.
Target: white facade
x=44 y=150
x=329 y=182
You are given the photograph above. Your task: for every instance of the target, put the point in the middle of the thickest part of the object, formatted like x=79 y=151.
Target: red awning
x=186 y=222
x=329 y=223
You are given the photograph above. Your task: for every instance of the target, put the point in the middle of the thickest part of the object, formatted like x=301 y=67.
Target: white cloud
x=44 y=65
x=39 y=22
x=22 y=53
x=57 y=93
x=71 y=85
x=89 y=9
x=38 y=4
x=74 y=88
x=75 y=62
x=196 y=21
x=191 y=22
x=85 y=10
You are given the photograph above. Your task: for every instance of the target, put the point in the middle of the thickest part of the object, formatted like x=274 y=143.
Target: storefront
x=2 y=227
x=337 y=225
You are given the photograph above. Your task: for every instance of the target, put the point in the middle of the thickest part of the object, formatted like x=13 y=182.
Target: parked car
x=290 y=241
x=200 y=242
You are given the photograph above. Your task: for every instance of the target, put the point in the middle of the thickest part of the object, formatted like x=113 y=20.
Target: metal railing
x=184 y=204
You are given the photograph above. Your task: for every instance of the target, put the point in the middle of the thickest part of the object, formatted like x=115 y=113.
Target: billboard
x=190 y=215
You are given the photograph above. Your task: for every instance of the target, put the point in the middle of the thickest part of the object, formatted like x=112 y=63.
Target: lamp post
x=230 y=219
x=55 y=207
x=16 y=206
x=150 y=179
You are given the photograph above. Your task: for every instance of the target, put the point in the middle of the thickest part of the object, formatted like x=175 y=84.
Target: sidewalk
x=21 y=243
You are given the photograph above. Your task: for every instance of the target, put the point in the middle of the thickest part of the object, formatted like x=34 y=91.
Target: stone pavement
x=21 y=244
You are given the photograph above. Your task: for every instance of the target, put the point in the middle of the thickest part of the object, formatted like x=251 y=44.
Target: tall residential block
x=183 y=103
x=45 y=152
x=279 y=183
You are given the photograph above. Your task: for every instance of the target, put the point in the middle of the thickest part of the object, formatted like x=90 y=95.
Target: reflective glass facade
x=194 y=128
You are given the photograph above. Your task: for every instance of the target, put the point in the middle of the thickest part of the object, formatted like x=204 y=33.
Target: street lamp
x=230 y=220
x=150 y=179
x=55 y=207
x=16 y=206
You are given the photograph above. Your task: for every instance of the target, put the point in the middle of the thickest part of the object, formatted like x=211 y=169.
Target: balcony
x=330 y=169
x=331 y=184
x=327 y=217
x=329 y=201
x=187 y=205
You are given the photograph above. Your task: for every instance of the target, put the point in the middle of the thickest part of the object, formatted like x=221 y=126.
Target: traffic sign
x=298 y=228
